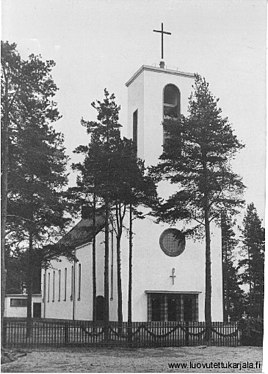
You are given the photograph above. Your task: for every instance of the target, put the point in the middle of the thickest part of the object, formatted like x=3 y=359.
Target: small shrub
x=252 y=331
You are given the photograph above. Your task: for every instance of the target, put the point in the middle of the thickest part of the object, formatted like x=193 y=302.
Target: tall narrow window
x=79 y=282
x=44 y=287
x=72 y=283
x=59 y=284
x=48 y=287
x=135 y=129
x=171 y=107
x=65 y=284
x=53 y=287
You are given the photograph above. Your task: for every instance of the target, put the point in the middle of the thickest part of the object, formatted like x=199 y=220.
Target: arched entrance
x=99 y=308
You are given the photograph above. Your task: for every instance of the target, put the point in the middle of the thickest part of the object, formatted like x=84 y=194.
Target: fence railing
x=19 y=332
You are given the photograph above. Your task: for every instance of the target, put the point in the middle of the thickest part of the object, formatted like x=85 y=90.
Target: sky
x=99 y=44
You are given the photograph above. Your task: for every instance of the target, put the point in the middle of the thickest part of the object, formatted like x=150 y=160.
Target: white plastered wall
x=75 y=308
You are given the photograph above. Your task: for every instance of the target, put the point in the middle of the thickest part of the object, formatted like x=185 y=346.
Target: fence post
x=129 y=333
x=66 y=333
x=187 y=333
x=29 y=327
x=208 y=334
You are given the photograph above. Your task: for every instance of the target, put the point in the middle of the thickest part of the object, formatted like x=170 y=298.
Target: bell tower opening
x=171 y=104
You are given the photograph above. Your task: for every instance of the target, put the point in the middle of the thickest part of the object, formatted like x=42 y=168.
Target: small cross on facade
x=162 y=32
x=173 y=276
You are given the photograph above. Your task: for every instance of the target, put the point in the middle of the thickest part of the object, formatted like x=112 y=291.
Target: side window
x=53 y=286
x=48 y=287
x=59 y=284
x=72 y=283
x=65 y=284
x=135 y=129
x=18 y=303
x=44 y=287
x=79 y=282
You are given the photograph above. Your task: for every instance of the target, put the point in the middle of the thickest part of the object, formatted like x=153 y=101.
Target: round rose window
x=172 y=242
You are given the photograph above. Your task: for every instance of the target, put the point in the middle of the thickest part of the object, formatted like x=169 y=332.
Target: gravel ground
x=104 y=360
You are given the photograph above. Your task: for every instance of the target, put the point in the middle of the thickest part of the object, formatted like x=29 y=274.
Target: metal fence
x=18 y=332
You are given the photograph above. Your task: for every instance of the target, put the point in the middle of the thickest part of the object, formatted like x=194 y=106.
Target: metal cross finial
x=162 y=38
x=173 y=276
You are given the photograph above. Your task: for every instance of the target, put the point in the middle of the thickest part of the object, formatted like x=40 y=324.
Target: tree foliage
x=252 y=263
x=233 y=296
x=34 y=156
x=111 y=174
x=93 y=183
x=196 y=158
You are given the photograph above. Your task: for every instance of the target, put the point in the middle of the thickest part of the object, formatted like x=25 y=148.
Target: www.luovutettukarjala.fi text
x=215 y=365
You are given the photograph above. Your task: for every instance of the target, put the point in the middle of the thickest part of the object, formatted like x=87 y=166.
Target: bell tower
x=153 y=93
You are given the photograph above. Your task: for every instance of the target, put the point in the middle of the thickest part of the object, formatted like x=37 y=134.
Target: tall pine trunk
x=94 y=259
x=130 y=266
x=29 y=285
x=119 y=279
x=4 y=188
x=208 y=259
x=250 y=285
x=130 y=277
x=106 y=270
x=208 y=279
x=223 y=249
x=225 y=285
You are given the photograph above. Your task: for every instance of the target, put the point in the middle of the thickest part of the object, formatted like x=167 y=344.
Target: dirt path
x=138 y=360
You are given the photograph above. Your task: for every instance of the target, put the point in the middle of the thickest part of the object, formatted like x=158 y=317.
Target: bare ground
x=104 y=360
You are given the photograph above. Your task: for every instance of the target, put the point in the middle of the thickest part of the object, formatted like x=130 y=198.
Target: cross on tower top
x=162 y=32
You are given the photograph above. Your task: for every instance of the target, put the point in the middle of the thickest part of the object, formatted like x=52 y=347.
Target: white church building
x=168 y=273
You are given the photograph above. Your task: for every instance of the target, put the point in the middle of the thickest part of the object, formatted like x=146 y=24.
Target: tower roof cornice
x=158 y=70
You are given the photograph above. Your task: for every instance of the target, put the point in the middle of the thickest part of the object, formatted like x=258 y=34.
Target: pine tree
x=196 y=157
x=34 y=159
x=130 y=187
x=85 y=194
x=112 y=175
x=104 y=133
x=252 y=263
x=11 y=84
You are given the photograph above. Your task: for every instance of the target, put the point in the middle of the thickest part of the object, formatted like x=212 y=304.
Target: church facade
x=168 y=282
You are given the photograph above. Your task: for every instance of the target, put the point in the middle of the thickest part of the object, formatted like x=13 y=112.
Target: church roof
x=82 y=232
x=157 y=70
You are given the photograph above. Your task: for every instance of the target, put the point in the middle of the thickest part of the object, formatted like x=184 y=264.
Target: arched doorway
x=99 y=308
